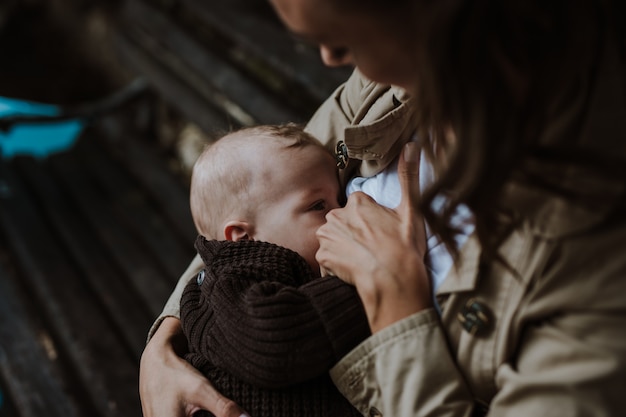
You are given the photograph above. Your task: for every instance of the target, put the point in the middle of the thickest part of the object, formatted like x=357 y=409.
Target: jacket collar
x=463 y=275
x=377 y=135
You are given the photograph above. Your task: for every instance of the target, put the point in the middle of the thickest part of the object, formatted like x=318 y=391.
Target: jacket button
x=200 y=277
x=474 y=316
x=374 y=412
x=341 y=154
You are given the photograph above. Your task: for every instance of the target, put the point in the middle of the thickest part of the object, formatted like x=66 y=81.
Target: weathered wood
x=215 y=79
x=34 y=383
x=231 y=56
x=133 y=205
x=98 y=235
x=146 y=166
x=78 y=325
x=145 y=277
x=110 y=283
x=257 y=41
x=193 y=101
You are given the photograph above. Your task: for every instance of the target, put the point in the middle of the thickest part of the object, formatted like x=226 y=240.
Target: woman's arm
x=172 y=306
x=169 y=386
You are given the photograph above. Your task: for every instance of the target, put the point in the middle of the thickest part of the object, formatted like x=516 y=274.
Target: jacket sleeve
x=406 y=370
x=274 y=335
x=172 y=306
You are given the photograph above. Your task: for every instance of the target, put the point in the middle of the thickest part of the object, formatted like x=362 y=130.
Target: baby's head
x=267 y=183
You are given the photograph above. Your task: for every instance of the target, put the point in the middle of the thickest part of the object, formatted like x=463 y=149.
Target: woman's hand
x=169 y=386
x=381 y=251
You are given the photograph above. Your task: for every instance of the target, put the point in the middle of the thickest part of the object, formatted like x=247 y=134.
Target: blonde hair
x=223 y=176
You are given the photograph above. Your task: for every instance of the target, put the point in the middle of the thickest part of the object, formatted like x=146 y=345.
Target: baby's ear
x=236 y=230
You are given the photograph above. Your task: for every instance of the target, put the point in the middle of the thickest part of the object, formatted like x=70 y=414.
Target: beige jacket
x=546 y=338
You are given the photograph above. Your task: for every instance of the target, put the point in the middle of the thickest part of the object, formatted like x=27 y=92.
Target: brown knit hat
x=265 y=332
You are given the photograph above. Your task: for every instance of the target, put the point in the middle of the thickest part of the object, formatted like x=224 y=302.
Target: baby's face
x=300 y=186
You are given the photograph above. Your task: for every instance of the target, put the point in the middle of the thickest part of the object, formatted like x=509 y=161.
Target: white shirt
x=384 y=188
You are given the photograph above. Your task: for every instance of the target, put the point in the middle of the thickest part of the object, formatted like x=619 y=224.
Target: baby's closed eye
x=319 y=205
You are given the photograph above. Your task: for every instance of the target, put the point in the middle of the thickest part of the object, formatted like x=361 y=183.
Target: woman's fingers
x=408 y=176
x=370 y=247
x=346 y=239
x=170 y=387
x=206 y=397
x=381 y=250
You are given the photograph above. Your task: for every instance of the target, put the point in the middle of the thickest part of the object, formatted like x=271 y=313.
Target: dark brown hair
x=497 y=73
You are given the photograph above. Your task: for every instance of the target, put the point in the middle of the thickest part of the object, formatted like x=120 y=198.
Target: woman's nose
x=335 y=57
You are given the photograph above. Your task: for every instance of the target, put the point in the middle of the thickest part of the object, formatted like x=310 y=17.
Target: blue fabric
x=38 y=140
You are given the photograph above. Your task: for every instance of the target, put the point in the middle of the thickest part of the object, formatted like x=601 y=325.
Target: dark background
x=58 y=51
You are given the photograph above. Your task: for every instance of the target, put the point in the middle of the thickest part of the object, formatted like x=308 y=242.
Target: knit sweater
x=265 y=330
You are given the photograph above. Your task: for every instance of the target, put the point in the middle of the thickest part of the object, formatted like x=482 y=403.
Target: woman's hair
x=499 y=73
x=224 y=172
x=504 y=75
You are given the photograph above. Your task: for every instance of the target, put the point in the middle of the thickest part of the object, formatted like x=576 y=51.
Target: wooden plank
x=131 y=204
x=258 y=40
x=29 y=366
x=7 y=406
x=218 y=80
x=147 y=167
x=148 y=281
x=78 y=325
x=193 y=101
x=110 y=284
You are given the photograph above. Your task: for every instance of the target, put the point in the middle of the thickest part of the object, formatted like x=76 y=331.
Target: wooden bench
x=93 y=239
x=225 y=61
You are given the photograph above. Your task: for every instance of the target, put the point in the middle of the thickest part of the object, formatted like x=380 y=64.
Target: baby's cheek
x=309 y=251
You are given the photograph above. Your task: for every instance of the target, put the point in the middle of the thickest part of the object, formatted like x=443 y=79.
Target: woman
x=528 y=98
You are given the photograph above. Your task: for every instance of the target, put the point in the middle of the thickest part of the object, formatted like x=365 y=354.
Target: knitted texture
x=265 y=331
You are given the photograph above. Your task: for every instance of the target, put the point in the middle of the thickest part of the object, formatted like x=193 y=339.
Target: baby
x=261 y=323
